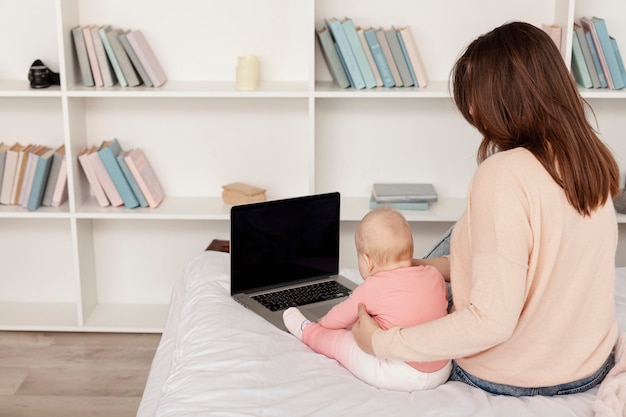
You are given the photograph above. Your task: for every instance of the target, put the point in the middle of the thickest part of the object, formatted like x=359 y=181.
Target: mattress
x=217 y=358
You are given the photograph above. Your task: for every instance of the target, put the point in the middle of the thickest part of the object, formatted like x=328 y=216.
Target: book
x=379 y=58
x=42 y=170
x=331 y=56
x=398 y=57
x=618 y=58
x=119 y=74
x=81 y=54
x=96 y=187
x=345 y=51
x=241 y=193
x=370 y=57
x=134 y=59
x=22 y=159
x=404 y=205
x=579 y=66
x=132 y=80
x=131 y=179
x=359 y=52
x=93 y=58
x=145 y=177
x=414 y=58
x=10 y=167
x=579 y=32
x=106 y=71
x=53 y=175
x=103 y=176
x=146 y=56
x=60 y=190
x=29 y=173
x=600 y=35
x=108 y=154
x=596 y=60
x=3 y=156
x=555 y=33
x=384 y=45
x=404 y=192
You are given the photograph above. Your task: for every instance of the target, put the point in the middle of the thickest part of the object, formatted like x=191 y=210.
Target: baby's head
x=384 y=241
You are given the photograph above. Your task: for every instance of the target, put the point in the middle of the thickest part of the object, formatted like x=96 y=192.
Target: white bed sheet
x=218 y=359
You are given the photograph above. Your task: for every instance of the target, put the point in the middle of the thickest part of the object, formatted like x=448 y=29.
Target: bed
x=216 y=358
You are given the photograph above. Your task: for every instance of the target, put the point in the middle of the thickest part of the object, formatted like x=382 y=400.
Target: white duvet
x=218 y=359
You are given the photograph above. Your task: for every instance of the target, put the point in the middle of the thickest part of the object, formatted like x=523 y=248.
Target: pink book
x=59 y=195
x=147 y=57
x=143 y=174
x=97 y=189
x=103 y=177
x=414 y=56
x=93 y=57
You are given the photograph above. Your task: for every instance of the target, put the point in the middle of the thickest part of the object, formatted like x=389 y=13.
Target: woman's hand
x=363 y=330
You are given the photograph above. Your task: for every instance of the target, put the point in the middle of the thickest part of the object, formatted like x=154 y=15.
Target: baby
x=395 y=293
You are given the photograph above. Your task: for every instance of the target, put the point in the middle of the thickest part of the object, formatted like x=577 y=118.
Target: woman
x=532 y=258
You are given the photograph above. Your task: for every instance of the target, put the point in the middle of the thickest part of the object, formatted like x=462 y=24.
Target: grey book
x=81 y=55
x=404 y=192
x=398 y=57
x=122 y=58
x=135 y=60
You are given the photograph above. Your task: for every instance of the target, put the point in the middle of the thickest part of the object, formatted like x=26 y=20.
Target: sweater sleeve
x=344 y=314
x=489 y=309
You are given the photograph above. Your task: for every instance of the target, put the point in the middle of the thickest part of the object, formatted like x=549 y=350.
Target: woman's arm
x=442 y=264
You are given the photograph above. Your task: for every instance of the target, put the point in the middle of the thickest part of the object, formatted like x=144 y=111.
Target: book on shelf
x=29 y=173
x=83 y=58
x=93 y=58
x=58 y=172
x=596 y=59
x=106 y=71
x=370 y=57
x=59 y=196
x=103 y=31
x=103 y=176
x=618 y=58
x=145 y=177
x=379 y=58
x=331 y=56
x=96 y=187
x=579 y=33
x=384 y=46
x=40 y=178
x=3 y=156
x=400 y=205
x=134 y=59
x=10 y=168
x=404 y=192
x=108 y=154
x=131 y=179
x=346 y=53
x=132 y=80
x=147 y=57
x=359 y=52
x=398 y=57
x=18 y=181
x=599 y=33
x=413 y=56
x=555 y=32
x=579 y=66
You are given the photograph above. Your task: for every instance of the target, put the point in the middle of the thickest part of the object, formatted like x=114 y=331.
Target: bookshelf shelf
x=82 y=267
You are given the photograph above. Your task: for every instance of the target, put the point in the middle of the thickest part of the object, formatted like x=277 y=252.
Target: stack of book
x=108 y=56
x=369 y=58
x=403 y=196
x=596 y=58
x=32 y=176
x=120 y=178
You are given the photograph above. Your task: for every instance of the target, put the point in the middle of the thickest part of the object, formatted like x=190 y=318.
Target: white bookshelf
x=85 y=268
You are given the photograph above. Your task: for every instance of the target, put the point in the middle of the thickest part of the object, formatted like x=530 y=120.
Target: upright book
x=370 y=57
x=145 y=177
x=347 y=56
x=80 y=47
x=29 y=173
x=42 y=170
x=579 y=33
x=379 y=57
x=359 y=52
x=579 y=66
x=3 y=156
x=384 y=46
x=10 y=167
x=18 y=181
x=147 y=57
x=398 y=57
x=414 y=58
x=106 y=71
x=93 y=58
x=55 y=175
x=108 y=154
x=599 y=33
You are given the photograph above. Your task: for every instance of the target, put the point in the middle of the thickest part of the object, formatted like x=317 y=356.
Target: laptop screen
x=281 y=242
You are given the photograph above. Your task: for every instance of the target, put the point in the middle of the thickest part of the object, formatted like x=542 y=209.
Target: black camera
x=40 y=76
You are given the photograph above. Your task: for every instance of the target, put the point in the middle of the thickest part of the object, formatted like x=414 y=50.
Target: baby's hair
x=385 y=235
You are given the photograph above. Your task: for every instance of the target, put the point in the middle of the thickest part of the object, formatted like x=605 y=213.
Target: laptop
x=284 y=250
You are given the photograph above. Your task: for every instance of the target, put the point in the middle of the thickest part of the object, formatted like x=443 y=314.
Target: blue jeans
x=458 y=374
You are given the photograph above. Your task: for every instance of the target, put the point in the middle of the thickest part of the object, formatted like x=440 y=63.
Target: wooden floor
x=73 y=374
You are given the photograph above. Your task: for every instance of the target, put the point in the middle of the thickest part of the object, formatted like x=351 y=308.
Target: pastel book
x=93 y=58
x=134 y=59
x=29 y=173
x=117 y=69
x=147 y=57
x=131 y=179
x=398 y=57
x=18 y=181
x=601 y=40
x=579 y=33
x=404 y=192
x=80 y=48
x=108 y=153
x=359 y=52
x=60 y=190
x=331 y=56
x=379 y=58
x=126 y=67
x=370 y=57
x=596 y=60
x=103 y=176
x=58 y=172
x=3 y=156
x=42 y=170
x=145 y=177
x=90 y=174
x=413 y=56
x=579 y=66
x=108 y=75
x=10 y=166
x=384 y=46
x=400 y=205
x=345 y=51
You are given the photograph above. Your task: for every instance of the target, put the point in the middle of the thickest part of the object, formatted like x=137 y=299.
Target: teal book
x=379 y=58
x=123 y=60
x=407 y=205
x=117 y=69
x=616 y=82
x=343 y=46
x=596 y=60
x=579 y=67
x=335 y=66
x=579 y=32
x=40 y=179
x=618 y=57
x=406 y=58
x=398 y=57
x=131 y=179
x=108 y=154
x=359 y=53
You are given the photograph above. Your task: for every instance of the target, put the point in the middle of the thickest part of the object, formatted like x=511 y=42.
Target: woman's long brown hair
x=513 y=86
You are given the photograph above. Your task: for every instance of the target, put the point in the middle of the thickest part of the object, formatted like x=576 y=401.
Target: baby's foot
x=295 y=321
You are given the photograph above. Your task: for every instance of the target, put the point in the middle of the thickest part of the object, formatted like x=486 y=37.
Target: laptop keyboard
x=293 y=297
